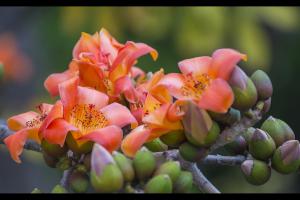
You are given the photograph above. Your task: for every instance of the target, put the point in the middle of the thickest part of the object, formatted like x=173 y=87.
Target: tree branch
x=223 y=160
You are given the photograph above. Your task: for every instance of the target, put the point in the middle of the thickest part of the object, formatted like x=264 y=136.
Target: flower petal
x=175 y=113
x=55 y=112
x=135 y=140
x=124 y=84
x=21 y=121
x=90 y=96
x=109 y=137
x=86 y=43
x=218 y=97
x=137 y=72
x=224 y=61
x=118 y=115
x=195 y=66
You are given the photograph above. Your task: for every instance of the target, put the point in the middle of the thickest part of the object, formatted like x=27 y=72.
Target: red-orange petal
x=90 y=96
x=136 y=71
x=21 y=121
x=135 y=140
x=224 y=61
x=109 y=137
x=175 y=113
x=124 y=84
x=86 y=43
x=218 y=97
x=195 y=66
x=55 y=112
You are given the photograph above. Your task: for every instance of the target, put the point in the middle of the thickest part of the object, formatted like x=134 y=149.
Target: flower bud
x=53 y=149
x=87 y=161
x=238 y=146
x=192 y=153
x=228 y=118
x=59 y=189
x=184 y=182
x=267 y=105
x=1 y=71
x=81 y=168
x=156 y=145
x=248 y=133
x=263 y=84
x=245 y=94
x=64 y=163
x=173 y=138
x=79 y=181
x=49 y=160
x=256 y=172
x=159 y=184
x=105 y=174
x=125 y=166
x=76 y=148
x=286 y=158
x=36 y=191
x=278 y=130
x=144 y=164
x=171 y=168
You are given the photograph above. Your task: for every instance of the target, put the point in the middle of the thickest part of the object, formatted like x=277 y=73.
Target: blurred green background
x=270 y=36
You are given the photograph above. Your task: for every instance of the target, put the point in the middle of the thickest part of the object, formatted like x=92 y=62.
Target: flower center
x=87 y=118
x=195 y=86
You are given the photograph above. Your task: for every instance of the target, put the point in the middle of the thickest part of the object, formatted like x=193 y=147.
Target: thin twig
x=64 y=181
x=223 y=160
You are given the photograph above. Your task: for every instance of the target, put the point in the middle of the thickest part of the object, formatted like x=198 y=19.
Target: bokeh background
x=43 y=39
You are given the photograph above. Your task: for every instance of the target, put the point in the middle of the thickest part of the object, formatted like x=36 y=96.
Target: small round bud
x=263 y=84
x=36 y=191
x=267 y=105
x=261 y=145
x=184 y=182
x=238 y=146
x=156 y=145
x=159 y=184
x=228 y=118
x=171 y=168
x=125 y=165
x=79 y=181
x=173 y=138
x=286 y=158
x=76 y=148
x=59 y=189
x=64 y=163
x=144 y=164
x=256 y=172
x=278 y=130
x=54 y=150
x=248 y=133
x=192 y=153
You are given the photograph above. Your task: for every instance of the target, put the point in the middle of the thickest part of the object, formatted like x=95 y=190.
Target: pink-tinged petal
x=175 y=113
x=15 y=144
x=124 y=84
x=224 y=61
x=68 y=94
x=218 y=97
x=195 y=66
x=135 y=140
x=118 y=115
x=57 y=131
x=55 y=112
x=44 y=108
x=138 y=113
x=109 y=137
x=86 y=43
x=21 y=121
x=90 y=96
x=157 y=116
x=136 y=71
x=52 y=81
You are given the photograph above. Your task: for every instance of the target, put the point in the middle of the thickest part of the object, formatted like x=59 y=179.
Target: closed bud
x=248 y=133
x=36 y=191
x=267 y=105
x=59 y=189
x=81 y=168
x=278 y=130
x=159 y=184
x=238 y=146
x=87 y=161
x=192 y=153
x=125 y=165
x=256 y=172
x=245 y=94
x=173 y=138
x=171 y=168
x=184 y=182
x=286 y=158
x=232 y=116
x=144 y=164
x=50 y=160
x=54 y=150
x=64 y=163
x=199 y=129
x=261 y=145
x=156 y=145
x=78 y=148
x=79 y=181
x=263 y=84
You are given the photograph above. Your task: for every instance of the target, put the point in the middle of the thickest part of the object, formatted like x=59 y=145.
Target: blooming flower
x=204 y=80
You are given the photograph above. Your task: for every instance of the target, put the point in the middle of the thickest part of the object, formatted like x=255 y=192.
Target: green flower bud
x=232 y=116
x=125 y=165
x=192 y=153
x=54 y=150
x=105 y=175
x=263 y=84
x=87 y=161
x=64 y=163
x=1 y=71
x=184 y=182
x=200 y=130
x=50 y=160
x=286 y=158
x=267 y=105
x=159 y=184
x=261 y=145
x=278 y=130
x=156 y=145
x=79 y=149
x=144 y=164
x=238 y=146
x=79 y=182
x=256 y=172
x=36 y=191
x=171 y=168
x=173 y=138
x=245 y=94
x=248 y=134
x=195 y=190
x=59 y=189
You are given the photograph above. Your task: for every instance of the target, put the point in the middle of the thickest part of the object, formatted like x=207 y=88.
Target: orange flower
x=87 y=115
x=204 y=80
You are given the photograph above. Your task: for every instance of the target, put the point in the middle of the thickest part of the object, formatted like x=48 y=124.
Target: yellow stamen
x=195 y=86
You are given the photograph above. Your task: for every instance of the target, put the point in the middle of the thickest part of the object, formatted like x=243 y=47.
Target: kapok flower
x=88 y=117
x=26 y=126
x=204 y=80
